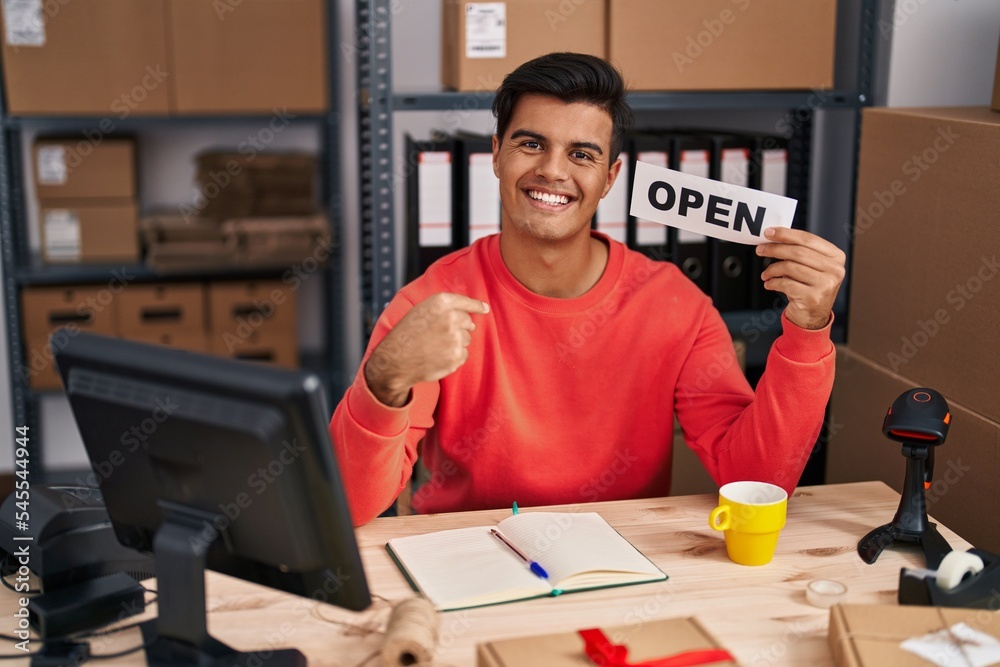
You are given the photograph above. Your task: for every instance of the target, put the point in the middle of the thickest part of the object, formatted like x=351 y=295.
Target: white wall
x=943 y=53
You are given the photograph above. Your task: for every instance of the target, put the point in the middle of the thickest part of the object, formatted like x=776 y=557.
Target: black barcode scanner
x=919 y=419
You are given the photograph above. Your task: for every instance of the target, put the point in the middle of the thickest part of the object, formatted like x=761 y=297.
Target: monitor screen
x=214 y=461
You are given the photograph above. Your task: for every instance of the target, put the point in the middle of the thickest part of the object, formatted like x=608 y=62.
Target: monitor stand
x=179 y=636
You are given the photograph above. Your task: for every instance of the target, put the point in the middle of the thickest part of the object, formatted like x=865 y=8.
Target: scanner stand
x=910 y=523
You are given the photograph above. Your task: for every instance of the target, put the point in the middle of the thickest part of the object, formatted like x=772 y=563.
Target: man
x=545 y=364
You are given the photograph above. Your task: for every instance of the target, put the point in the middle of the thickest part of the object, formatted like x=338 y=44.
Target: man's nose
x=553 y=166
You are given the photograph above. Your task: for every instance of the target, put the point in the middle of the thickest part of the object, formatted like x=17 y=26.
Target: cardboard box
x=193 y=341
x=106 y=58
x=963 y=493
x=870 y=635
x=482 y=41
x=273 y=347
x=925 y=295
x=89 y=231
x=645 y=641
x=723 y=44
x=39 y=367
x=146 y=311
x=248 y=311
x=174 y=243
x=79 y=169
x=85 y=307
x=255 y=56
x=278 y=242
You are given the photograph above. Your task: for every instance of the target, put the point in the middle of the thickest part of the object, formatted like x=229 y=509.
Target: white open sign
x=713 y=208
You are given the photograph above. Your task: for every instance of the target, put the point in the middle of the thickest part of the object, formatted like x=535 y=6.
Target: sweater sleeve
x=375 y=444
x=767 y=435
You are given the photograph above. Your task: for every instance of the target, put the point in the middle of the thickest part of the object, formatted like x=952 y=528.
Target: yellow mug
x=751 y=514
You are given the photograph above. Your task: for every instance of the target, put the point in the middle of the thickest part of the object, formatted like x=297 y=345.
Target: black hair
x=569 y=77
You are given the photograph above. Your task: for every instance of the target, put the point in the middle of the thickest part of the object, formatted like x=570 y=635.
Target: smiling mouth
x=549 y=198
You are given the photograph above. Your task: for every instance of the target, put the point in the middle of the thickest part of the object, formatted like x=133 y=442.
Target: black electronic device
x=71 y=538
x=233 y=472
x=919 y=419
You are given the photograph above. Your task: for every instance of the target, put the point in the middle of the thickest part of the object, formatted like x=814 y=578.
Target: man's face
x=553 y=166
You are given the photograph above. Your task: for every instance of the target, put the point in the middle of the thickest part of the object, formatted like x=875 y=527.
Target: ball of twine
x=411 y=634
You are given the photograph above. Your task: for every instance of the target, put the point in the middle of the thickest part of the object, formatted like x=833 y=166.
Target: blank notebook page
x=565 y=544
x=465 y=563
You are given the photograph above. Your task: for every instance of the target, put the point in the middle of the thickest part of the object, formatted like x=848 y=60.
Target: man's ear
x=496 y=156
x=612 y=176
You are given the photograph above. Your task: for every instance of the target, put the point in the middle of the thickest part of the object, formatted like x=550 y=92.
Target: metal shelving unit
x=378 y=101
x=20 y=269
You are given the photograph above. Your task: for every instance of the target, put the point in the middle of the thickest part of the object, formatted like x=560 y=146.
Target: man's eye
x=580 y=155
x=531 y=144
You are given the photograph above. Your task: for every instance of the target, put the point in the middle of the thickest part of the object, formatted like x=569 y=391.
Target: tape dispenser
x=963 y=579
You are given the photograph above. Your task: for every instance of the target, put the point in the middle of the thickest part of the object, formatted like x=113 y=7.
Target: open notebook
x=470 y=567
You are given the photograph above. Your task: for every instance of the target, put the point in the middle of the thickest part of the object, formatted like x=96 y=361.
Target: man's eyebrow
x=518 y=134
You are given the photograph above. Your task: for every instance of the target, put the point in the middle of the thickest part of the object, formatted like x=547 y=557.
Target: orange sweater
x=573 y=400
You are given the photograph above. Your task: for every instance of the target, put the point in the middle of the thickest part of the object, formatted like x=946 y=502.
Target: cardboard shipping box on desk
x=870 y=635
x=644 y=641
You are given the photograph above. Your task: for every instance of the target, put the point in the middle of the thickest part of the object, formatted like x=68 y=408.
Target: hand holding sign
x=809 y=274
x=810 y=269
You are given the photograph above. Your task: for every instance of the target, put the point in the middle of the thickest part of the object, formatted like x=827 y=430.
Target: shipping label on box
x=61 y=234
x=23 y=22
x=486 y=30
x=83 y=170
x=98 y=231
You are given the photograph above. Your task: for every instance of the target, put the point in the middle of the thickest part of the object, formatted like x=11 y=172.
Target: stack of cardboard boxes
x=925 y=307
x=254 y=320
x=87 y=200
x=116 y=58
x=680 y=45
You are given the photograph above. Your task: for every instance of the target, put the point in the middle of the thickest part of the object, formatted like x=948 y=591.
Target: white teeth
x=547 y=198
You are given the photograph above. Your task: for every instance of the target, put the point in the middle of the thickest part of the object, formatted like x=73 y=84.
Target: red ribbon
x=602 y=652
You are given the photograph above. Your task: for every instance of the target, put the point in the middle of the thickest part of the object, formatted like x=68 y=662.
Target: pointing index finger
x=466 y=303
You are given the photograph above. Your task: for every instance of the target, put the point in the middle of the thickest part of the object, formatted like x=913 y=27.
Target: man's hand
x=809 y=274
x=429 y=343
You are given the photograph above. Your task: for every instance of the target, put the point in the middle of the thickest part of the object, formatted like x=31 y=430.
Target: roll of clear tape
x=411 y=634
x=955 y=566
x=825 y=593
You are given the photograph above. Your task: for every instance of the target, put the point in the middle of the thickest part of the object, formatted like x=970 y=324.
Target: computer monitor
x=207 y=462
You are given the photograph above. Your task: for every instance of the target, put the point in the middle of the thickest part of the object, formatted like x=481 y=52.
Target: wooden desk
x=759 y=613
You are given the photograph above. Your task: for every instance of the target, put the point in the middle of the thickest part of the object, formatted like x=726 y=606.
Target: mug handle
x=721 y=512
